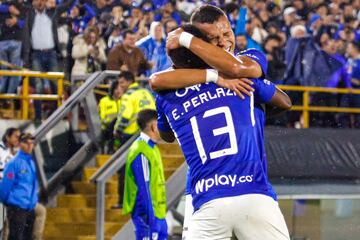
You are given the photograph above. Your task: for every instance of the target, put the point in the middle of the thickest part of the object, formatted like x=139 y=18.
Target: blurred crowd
x=307 y=42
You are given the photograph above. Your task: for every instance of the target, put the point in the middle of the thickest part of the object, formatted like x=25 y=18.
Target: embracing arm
x=225 y=62
x=217 y=58
x=181 y=78
x=279 y=103
x=175 y=79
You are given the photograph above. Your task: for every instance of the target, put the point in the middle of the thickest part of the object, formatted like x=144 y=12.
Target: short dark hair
x=183 y=57
x=125 y=32
x=127 y=75
x=207 y=14
x=145 y=116
x=272 y=37
x=10 y=131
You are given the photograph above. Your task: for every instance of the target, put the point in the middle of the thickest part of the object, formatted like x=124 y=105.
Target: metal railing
x=89 y=149
x=175 y=188
x=113 y=165
x=25 y=97
x=174 y=185
x=306 y=108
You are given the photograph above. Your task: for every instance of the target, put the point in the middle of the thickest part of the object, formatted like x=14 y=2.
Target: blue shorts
x=143 y=231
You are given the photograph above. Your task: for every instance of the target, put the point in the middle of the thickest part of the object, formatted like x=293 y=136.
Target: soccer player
x=252 y=55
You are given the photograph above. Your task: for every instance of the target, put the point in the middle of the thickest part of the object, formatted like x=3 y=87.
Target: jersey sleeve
x=264 y=90
x=163 y=123
x=141 y=170
x=258 y=57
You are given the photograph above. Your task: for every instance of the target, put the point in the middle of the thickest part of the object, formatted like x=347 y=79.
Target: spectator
x=232 y=12
x=144 y=195
x=289 y=20
x=339 y=78
x=113 y=30
x=88 y=52
x=170 y=25
x=251 y=25
x=39 y=224
x=136 y=22
x=301 y=9
x=148 y=16
x=276 y=59
x=109 y=107
x=353 y=51
x=315 y=24
x=167 y=11
x=298 y=31
x=154 y=49
x=12 y=21
x=19 y=190
x=128 y=57
x=241 y=42
x=41 y=41
x=348 y=32
x=101 y=8
x=187 y=7
x=8 y=147
x=134 y=100
x=82 y=15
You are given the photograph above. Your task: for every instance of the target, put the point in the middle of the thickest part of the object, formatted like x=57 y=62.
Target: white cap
x=289 y=10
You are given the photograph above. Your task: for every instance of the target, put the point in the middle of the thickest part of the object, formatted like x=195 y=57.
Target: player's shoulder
x=253 y=53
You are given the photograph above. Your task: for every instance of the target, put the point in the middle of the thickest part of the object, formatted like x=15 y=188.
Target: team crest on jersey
x=184 y=91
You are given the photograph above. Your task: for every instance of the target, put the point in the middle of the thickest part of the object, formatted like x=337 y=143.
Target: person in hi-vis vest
x=144 y=194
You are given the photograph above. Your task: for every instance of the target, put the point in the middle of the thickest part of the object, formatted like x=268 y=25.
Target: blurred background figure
x=12 y=22
x=109 y=108
x=88 y=52
x=154 y=49
x=128 y=57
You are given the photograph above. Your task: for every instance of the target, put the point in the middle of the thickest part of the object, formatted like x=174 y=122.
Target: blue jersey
x=216 y=131
x=259 y=112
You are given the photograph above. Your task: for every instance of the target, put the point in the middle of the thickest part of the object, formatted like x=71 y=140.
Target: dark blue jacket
x=19 y=186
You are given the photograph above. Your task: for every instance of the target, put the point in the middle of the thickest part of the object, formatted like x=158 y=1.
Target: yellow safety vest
x=109 y=109
x=133 y=101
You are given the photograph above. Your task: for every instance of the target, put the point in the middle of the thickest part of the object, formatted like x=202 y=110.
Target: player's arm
x=267 y=92
x=181 y=78
x=223 y=61
x=278 y=104
x=165 y=130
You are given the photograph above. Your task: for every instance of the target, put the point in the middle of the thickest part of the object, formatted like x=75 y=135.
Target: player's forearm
x=280 y=101
x=223 y=61
x=175 y=79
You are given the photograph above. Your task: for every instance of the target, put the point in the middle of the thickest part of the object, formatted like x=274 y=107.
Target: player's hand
x=172 y=40
x=239 y=86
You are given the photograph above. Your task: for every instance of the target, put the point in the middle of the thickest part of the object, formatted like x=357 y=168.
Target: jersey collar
x=146 y=138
